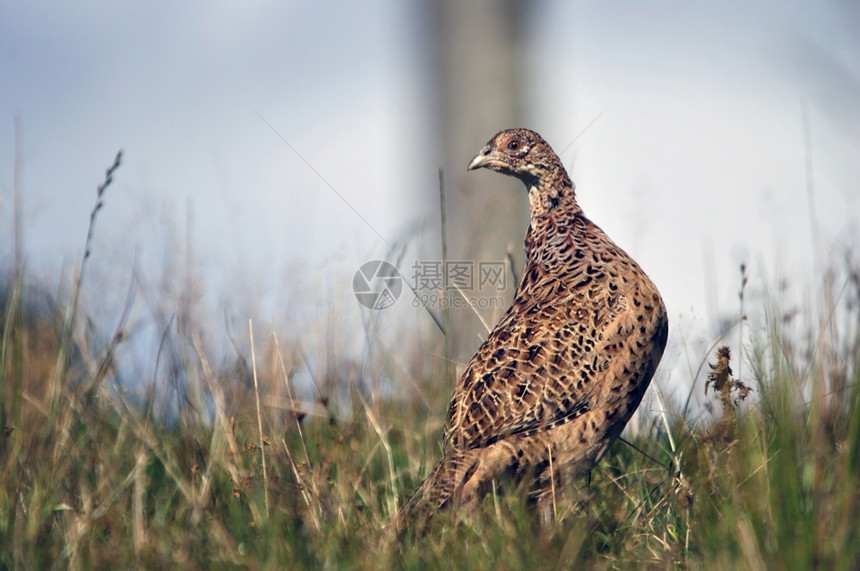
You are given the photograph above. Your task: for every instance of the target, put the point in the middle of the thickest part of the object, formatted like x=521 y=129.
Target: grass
x=91 y=477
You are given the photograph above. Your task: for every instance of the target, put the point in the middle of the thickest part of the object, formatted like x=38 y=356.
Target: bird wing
x=541 y=366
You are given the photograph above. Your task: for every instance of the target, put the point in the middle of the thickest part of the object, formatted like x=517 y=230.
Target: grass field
x=91 y=477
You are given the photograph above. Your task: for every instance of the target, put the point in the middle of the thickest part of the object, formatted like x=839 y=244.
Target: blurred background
x=272 y=148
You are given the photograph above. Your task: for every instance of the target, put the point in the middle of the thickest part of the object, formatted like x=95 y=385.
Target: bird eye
x=513 y=145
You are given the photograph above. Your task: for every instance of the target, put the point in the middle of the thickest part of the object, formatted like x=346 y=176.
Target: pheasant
x=558 y=378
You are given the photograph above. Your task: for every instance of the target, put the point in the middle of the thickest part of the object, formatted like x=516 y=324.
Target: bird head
x=520 y=153
x=524 y=154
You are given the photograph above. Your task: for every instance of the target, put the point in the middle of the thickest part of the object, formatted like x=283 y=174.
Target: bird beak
x=483 y=159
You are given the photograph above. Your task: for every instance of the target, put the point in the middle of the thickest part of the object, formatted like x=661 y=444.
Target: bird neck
x=552 y=197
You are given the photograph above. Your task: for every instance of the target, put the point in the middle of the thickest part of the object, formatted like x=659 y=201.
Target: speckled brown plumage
x=558 y=378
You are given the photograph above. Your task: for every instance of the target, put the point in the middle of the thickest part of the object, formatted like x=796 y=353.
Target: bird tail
x=456 y=481
x=429 y=497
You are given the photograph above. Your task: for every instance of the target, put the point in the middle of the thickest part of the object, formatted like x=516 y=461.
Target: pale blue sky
x=696 y=164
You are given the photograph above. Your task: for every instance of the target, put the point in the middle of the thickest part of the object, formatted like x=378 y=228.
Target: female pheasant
x=558 y=378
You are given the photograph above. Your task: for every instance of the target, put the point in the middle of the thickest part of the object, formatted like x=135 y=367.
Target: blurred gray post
x=478 y=72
